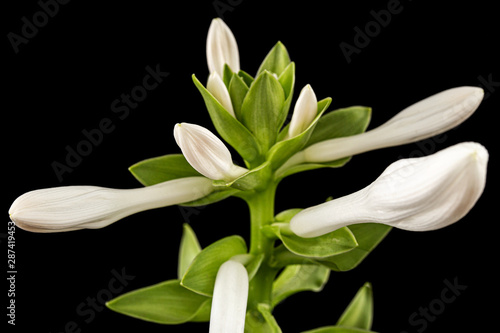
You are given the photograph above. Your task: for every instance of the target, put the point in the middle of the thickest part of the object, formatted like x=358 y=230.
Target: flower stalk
x=261 y=206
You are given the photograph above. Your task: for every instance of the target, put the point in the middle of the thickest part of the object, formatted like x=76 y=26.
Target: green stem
x=261 y=205
x=282 y=257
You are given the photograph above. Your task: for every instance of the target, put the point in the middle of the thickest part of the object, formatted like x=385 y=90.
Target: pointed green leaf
x=200 y=276
x=337 y=329
x=283 y=150
x=161 y=169
x=339 y=123
x=368 y=236
x=286 y=215
x=163 y=303
x=335 y=124
x=276 y=60
x=333 y=243
x=298 y=278
x=237 y=90
x=219 y=194
x=251 y=262
x=227 y=75
x=229 y=128
x=246 y=77
x=359 y=312
x=203 y=314
x=262 y=108
x=287 y=81
x=261 y=320
x=188 y=250
x=311 y=166
x=253 y=179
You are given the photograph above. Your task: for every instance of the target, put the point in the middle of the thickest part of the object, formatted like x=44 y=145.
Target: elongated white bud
x=221 y=48
x=69 y=208
x=218 y=89
x=306 y=109
x=229 y=302
x=206 y=153
x=416 y=194
x=429 y=117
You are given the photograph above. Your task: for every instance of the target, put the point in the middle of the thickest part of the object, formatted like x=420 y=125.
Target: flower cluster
x=234 y=288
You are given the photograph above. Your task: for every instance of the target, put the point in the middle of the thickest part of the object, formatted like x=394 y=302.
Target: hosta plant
x=236 y=286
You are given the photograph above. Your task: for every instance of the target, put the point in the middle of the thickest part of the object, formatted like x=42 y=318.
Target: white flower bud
x=306 y=109
x=429 y=117
x=221 y=48
x=416 y=194
x=69 y=208
x=218 y=89
x=229 y=302
x=206 y=153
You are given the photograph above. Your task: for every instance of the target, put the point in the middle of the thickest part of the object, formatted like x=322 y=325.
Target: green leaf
x=339 y=123
x=200 y=276
x=286 y=215
x=368 y=236
x=359 y=312
x=261 y=320
x=163 y=303
x=246 y=77
x=311 y=166
x=237 y=91
x=251 y=262
x=161 y=169
x=298 y=278
x=287 y=81
x=333 y=243
x=253 y=179
x=262 y=108
x=203 y=314
x=335 y=124
x=219 y=194
x=227 y=75
x=188 y=250
x=229 y=128
x=283 y=150
x=337 y=329
x=276 y=60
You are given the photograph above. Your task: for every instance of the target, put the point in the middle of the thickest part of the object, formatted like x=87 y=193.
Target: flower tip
x=221 y=47
x=177 y=129
x=478 y=153
x=306 y=109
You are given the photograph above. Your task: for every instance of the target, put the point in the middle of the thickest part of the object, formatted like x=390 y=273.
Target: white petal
x=221 y=48
x=206 y=153
x=218 y=89
x=429 y=117
x=68 y=208
x=417 y=194
x=230 y=297
x=306 y=109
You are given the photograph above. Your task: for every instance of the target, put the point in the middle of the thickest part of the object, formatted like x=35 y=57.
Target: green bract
x=278 y=262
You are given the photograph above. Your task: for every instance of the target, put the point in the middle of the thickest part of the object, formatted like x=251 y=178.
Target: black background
x=66 y=77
